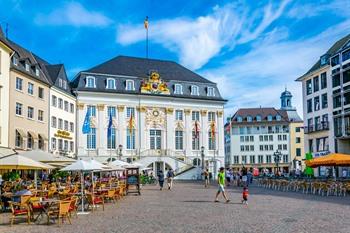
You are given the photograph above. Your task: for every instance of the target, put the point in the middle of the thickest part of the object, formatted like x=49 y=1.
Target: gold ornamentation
x=220 y=113
x=169 y=110
x=80 y=106
x=154 y=85
x=121 y=108
x=100 y=107
x=187 y=111
x=155 y=118
x=141 y=108
x=63 y=134
x=204 y=112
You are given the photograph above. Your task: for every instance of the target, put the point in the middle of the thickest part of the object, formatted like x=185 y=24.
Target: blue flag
x=86 y=125
x=109 y=131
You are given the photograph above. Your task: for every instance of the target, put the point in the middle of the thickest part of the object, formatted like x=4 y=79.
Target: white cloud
x=73 y=14
x=197 y=40
x=259 y=76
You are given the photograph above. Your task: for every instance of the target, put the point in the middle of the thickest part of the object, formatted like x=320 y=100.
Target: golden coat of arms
x=154 y=85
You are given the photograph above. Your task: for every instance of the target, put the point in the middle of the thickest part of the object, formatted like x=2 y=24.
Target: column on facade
x=204 y=130
x=81 y=138
x=188 y=133
x=101 y=132
x=121 y=140
x=140 y=130
x=170 y=129
x=220 y=134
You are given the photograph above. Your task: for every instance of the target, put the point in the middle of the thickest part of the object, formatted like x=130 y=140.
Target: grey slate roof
x=330 y=52
x=123 y=68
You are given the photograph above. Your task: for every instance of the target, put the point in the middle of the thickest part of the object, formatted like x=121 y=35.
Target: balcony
x=324 y=125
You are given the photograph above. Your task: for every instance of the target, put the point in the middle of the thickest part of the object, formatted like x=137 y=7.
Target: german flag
x=212 y=130
x=131 y=125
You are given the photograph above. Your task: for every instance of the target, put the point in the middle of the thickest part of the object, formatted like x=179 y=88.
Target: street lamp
x=202 y=155
x=120 y=150
x=277 y=157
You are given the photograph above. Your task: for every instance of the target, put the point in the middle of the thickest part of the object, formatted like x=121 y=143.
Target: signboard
x=133 y=180
x=63 y=134
x=319 y=154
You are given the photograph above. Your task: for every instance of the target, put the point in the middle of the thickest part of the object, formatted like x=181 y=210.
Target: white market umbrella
x=136 y=164
x=120 y=163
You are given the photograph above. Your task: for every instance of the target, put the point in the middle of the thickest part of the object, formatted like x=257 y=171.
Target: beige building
x=5 y=55
x=296 y=138
x=28 y=102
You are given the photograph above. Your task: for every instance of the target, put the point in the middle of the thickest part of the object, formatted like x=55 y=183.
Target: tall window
x=269 y=118
x=66 y=125
x=30 y=141
x=195 y=115
x=30 y=113
x=91 y=139
x=211 y=91
x=19 y=108
x=316 y=84
x=72 y=108
x=19 y=140
x=195 y=141
x=178 y=89
x=19 y=84
x=308 y=87
x=309 y=105
x=324 y=100
x=65 y=148
x=324 y=80
x=179 y=115
x=66 y=106
x=155 y=139
x=130 y=139
x=53 y=143
x=179 y=140
x=64 y=84
x=71 y=127
x=60 y=103
x=60 y=83
x=130 y=111
x=111 y=111
x=111 y=140
x=30 y=88
x=60 y=123
x=194 y=90
x=260 y=159
x=90 y=82
x=60 y=144
x=36 y=71
x=41 y=92
x=92 y=110
x=53 y=122
x=54 y=101
x=211 y=116
x=211 y=141
x=71 y=146
x=317 y=103
x=252 y=159
x=40 y=115
x=129 y=85
x=41 y=144
x=111 y=83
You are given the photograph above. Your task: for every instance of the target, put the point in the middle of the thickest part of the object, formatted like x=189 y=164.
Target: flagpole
x=146 y=27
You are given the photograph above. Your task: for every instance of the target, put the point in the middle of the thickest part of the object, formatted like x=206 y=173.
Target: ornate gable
x=154 y=85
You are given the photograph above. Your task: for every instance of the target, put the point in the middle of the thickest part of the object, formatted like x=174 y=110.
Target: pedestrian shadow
x=205 y=201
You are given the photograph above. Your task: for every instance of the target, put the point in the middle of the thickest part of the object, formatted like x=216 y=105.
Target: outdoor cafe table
x=47 y=205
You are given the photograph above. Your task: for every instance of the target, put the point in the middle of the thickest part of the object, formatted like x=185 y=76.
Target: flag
x=110 y=122
x=146 y=23
x=86 y=125
x=212 y=130
x=130 y=124
x=196 y=129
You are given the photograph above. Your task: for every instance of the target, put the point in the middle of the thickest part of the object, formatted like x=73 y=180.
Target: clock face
x=155 y=113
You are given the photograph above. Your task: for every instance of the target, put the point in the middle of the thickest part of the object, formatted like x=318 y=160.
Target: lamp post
x=277 y=157
x=202 y=156
x=120 y=150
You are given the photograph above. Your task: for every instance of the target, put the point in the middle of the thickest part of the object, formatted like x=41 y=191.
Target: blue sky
x=252 y=49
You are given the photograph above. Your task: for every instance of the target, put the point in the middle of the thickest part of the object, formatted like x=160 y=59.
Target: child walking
x=245 y=196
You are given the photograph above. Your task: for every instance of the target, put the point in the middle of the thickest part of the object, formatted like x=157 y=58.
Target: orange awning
x=334 y=159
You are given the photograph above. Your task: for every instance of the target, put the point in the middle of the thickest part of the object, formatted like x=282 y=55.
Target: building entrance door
x=155 y=139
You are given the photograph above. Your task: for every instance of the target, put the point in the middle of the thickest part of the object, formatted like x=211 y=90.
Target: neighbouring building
x=326 y=102
x=162 y=115
x=62 y=115
x=253 y=135
x=5 y=55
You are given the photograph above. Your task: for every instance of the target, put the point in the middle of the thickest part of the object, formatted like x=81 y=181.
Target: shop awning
x=21 y=132
x=334 y=159
x=34 y=135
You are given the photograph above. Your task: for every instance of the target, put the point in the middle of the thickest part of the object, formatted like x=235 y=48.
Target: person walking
x=206 y=177
x=221 y=185
x=170 y=177
x=161 y=179
x=245 y=196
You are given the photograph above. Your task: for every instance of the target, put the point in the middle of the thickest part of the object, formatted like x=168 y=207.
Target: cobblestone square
x=189 y=207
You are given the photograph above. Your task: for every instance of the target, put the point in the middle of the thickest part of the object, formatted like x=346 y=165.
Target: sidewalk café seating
x=19 y=210
x=35 y=206
x=110 y=195
x=94 y=200
x=62 y=212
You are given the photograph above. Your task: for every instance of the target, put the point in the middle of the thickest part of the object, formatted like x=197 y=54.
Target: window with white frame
x=92 y=110
x=194 y=90
x=60 y=103
x=130 y=139
x=54 y=101
x=269 y=118
x=130 y=111
x=40 y=115
x=30 y=88
x=195 y=140
x=129 y=85
x=239 y=119
x=19 y=108
x=278 y=118
x=19 y=84
x=30 y=113
x=71 y=127
x=14 y=60
x=178 y=115
x=60 y=84
x=19 y=140
x=110 y=83
x=111 y=141
x=249 y=118
x=179 y=143
x=60 y=144
x=178 y=89
x=90 y=82
x=258 y=118
x=72 y=108
x=37 y=71
x=195 y=115
x=66 y=125
x=211 y=91
x=111 y=110
x=211 y=116
x=53 y=122
x=53 y=143
x=211 y=141
x=71 y=146
x=64 y=84
x=60 y=123
x=66 y=106
x=91 y=139
x=27 y=67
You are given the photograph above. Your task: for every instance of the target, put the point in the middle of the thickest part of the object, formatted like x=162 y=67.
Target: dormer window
x=110 y=83
x=239 y=119
x=249 y=118
x=60 y=83
x=36 y=71
x=178 y=89
x=129 y=85
x=269 y=118
x=278 y=118
x=90 y=82
x=258 y=118
x=64 y=84
x=27 y=67
x=194 y=90
x=211 y=91
x=14 y=60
